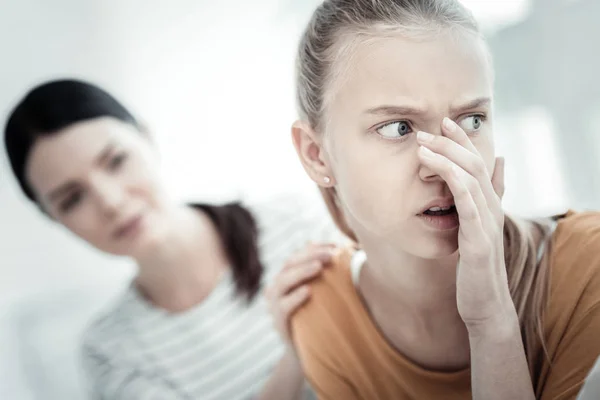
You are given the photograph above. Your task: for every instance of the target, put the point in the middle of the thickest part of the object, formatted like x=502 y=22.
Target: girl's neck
x=413 y=302
x=423 y=285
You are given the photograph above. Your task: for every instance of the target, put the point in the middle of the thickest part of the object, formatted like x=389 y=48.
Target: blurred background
x=214 y=82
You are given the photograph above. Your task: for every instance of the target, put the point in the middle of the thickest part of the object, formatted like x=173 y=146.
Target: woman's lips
x=129 y=228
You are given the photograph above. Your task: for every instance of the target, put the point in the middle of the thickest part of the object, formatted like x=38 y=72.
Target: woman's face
x=393 y=88
x=99 y=179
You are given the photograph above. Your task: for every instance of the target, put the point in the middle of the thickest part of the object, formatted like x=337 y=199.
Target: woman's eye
x=117 y=161
x=394 y=129
x=472 y=123
x=71 y=201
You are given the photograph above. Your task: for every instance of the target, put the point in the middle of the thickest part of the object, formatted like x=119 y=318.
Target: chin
x=137 y=247
x=143 y=247
x=440 y=247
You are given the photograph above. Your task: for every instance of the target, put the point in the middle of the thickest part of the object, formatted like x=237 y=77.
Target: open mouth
x=440 y=211
x=441 y=215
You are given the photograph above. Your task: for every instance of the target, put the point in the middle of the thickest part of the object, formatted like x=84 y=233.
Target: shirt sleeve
x=315 y=331
x=575 y=358
x=579 y=344
x=320 y=372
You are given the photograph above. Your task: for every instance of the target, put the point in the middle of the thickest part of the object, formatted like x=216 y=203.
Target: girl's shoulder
x=576 y=239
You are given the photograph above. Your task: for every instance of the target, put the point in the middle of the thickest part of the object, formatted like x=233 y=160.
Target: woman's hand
x=290 y=288
x=483 y=296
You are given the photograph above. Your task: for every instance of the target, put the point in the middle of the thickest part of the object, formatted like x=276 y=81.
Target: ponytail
x=238 y=232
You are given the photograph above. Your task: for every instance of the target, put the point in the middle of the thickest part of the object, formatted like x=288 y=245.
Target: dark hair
x=54 y=106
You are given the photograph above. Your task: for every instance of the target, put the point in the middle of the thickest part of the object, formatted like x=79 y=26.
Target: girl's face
x=392 y=88
x=99 y=179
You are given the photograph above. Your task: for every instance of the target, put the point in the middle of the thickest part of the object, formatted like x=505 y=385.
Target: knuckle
x=471 y=184
x=470 y=214
x=500 y=221
x=286 y=308
x=478 y=167
x=439 y=142
x=298 y=275
x=466 y=190
x=448 y=166
x=462 y=191
x=483 y=250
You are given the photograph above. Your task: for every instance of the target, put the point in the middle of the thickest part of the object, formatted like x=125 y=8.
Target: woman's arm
x=499 y=368
x=286 y=382
x=287 y=293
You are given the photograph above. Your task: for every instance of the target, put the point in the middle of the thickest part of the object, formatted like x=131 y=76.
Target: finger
x=465 y=158
x=498 y=177
x=459 y=182
x=453 y=131
x=454 y=151
x=471 y=163
x=266 y=292
x=450 y=144
x=323 y=254
x=293 y=277
x=457 y=147
x=465 y=193
x=292 y=301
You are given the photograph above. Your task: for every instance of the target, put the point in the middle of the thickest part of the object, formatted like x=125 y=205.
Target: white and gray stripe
x=221 y=349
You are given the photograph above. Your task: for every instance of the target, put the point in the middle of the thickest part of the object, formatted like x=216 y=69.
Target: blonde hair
x=329 y=36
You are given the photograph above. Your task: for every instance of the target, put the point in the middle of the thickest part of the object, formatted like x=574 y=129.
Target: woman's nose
x=425 y=173
x=110 y=196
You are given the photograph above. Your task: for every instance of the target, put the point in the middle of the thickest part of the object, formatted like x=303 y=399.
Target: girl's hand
x=483 y=296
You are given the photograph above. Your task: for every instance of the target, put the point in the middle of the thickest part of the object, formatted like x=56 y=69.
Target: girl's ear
x=312 y=154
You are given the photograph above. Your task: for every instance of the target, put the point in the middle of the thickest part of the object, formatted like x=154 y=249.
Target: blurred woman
x=190 y=325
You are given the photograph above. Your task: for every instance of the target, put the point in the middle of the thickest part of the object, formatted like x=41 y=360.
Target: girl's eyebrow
x=475 y=103
x=395 y=110
x=419 y=110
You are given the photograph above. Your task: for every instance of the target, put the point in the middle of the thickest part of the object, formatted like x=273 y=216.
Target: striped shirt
x=222 y=348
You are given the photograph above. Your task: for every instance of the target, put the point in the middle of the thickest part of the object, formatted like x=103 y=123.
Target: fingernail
x=449 y=124
x=426 y=152
x=424 y=137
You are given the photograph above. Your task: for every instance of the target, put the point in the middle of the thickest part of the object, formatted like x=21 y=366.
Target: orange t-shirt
x=346 y=357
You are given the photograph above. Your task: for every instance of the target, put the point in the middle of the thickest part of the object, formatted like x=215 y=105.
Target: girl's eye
x=472 y=123
x=394 y=129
